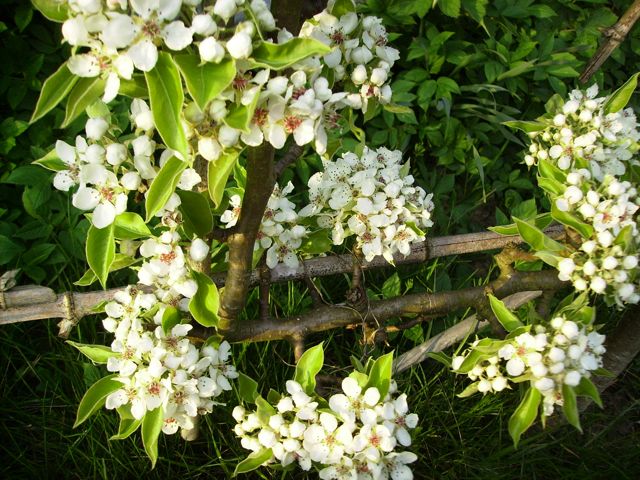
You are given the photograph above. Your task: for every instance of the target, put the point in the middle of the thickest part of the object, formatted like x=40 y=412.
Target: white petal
x=86 y=198
x=144 y=55
x=177 y=36
x=111 y=88
x=104 y=215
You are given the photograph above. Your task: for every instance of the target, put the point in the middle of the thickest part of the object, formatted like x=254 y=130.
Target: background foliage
x=466 y=66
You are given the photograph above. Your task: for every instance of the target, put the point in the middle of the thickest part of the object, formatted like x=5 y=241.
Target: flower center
x=151 y=29
x=298 y=92
x=240 y=82
x=153 y=389
x=260 y=116
x=168 y=257
x=291 y=123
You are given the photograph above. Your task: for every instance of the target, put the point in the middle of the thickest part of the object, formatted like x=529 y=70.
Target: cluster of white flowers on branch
x=122 y=36
x=159 y=367
x=356 y=433
x=557 y=358
x=373 y=197
x=582 y=131
x=586 y=149
x=107 y=166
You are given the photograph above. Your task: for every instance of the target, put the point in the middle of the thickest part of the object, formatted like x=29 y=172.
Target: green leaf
x=253 y=461
x=525 y=126
x=548 y=258
x=205 y=81
x=380 y=374
x=391 y=286
x=586 y=388
x=240 y=116
x=395 y=108
x=96 y=353
x=196 y=213
x=620 y=98
x=205 y=303
x=52 y=162
x=542 y=220
x=569 y=219
x=54 y=10
x=151 y=428
x=317 y=243
x=101 y=251
x=130 y=226
x=625 y=238
x=96 y=397
x=247 y=388
x=283 y=55
x=166 y=97
x=570 y=406
x=119 y=262
x=549 y=170
x=273 y=397
x=264 y=410
x=536 y=237
x=54 y=89
x=506 y=318
x=341 y=7
x=470 y=390
x=84 y=93
x=170 y=318
x=450 y=8
x=134 y=88
x=218 y=174
x=128 y=425
x=307 y=368
x=163 y=186
x=524 y=415
x=441 y=357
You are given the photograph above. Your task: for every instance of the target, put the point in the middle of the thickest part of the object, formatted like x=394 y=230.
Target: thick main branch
x=260 y=182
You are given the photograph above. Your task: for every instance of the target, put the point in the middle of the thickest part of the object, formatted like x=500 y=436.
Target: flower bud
x=240 y=45
x=96 y=128
x=198 y=250
x=559 y=120
x=209 y=148
x=210 y=50
x=359 y=75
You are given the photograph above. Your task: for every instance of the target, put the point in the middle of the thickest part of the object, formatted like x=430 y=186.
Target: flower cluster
x=585 y=156
x=161 y=369
x=549 y=357
x=123 y=36
x=360 y=57
x=582 y=131
x=107 y=168
x=356 y=435
x=279 y=234
x=601 y=264
x=373 y=197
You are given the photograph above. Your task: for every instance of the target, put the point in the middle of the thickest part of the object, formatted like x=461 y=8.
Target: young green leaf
x=240 y=116
x=163 y=186
x=283 y=55
x=95 y=398
x=505 y=316
x=54 y=89
x=524 y=415
x=204 y=304
x=570 y=406
x=307 y=368
x=205 y=81
x=218 y=174
x=151 y=428
x=586 y=388
x=166 y=97
x=247 y=388
x=84 y=93
x=441 y=357
x=53 y=10
x=119 y=262
x=196 y=213
x=380 y=374
x=130 y=226
x=620 y=98
x=570 y=220
x=127 y=427
x=51 y=161
x=134 y=88
x=253 y=461
x=170 y=318
x=96 y=353
x=101 y=251
x=525 y=126
x=470 y=390
x=342 y=7
x=536 y=238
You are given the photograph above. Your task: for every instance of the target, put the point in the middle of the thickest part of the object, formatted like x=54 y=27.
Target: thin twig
x=287 y=159
x=614 y=37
